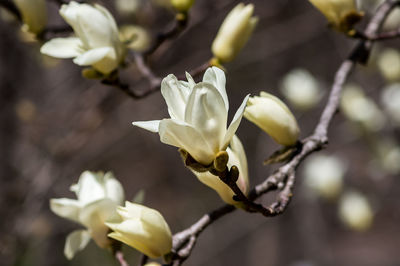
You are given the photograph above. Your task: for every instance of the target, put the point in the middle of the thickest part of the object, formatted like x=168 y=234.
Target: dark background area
x=54 y=124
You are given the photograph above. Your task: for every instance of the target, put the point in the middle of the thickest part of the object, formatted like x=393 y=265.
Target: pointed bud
x=274 y=117
x=142 y=228
x=34 y=14
x=182 y=5
x=234 y=32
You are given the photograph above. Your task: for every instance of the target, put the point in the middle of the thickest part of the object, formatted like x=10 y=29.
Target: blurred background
x=54 y=124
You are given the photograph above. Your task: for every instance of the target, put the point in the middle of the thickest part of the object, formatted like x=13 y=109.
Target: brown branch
x=11 y=7
x=120 y=258
x=284 y=178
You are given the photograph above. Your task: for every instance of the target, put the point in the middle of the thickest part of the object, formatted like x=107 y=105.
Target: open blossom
x=237 y=157
x=199 y=114
x=234 y=32
x=34 y=14
x=341 y=14
x=98 y=197
x=142 y=228
x=274 y=117
x=96 y=44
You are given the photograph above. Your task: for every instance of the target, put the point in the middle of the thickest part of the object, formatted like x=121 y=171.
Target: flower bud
x=234 y=32
x=341 y=14
x=274 y=117
x=237 y=157
x=355 y=211
x=182 y=5
x=34 y=14
x=98 y=197
x=143 y=229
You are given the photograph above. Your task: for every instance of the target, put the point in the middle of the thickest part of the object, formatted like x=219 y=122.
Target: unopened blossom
x=97 y=42
x=234 y=32
x=142 y=228
x=237 y=157
x=34 y=14
x=199 y=114
x=341 y=14
x=274 y=117
x=355 y=211
x=182 y=5
x=98 y=196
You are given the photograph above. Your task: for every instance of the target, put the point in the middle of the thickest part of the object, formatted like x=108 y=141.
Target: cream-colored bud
x=135 y=37
x=34 y=14
x=142 y=228
x=152 y=264
x=234 y=32
x=341 y=14
x=355 y=211
x=274 y=117
x=182 y=5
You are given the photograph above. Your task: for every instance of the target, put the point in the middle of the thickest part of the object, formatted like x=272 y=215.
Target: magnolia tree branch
x=284 y=178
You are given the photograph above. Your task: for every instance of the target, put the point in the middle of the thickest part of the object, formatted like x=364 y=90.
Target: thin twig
x=284 y=177
x=119 y=255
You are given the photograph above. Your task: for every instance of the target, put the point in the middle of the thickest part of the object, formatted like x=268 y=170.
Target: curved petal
x=89 y=187
x=216 y=77
x=148 y=125
x=182 y=135
x=76 y=241
x=206 y=112
x=113 y=188
x=66 y=208
x=92 y=56
x=62 y=47
x=235 y=122
x=176 y=95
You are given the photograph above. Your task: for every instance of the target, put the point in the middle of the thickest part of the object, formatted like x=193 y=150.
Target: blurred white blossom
x=127 y=7
x=199 y=114
x=237 y=157
x=234 y=32
x=391 y=101
x=389 y=64
x=361 y=109
x=98 y=196
x=34 y=14
x=274 y=117
x=301 y=89
x=136 y=37
x=324 y=175
x=142 y=228
x=97 y=42
x=355 y=211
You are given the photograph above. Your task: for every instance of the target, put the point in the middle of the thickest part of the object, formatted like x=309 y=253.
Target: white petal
x=76 y=241
x=93 y=56
x=235 y=121
x=66 y=208
x=62 y=47
x=89 y=188
x=94 y=216
x=216 y=77
x=148 y=125
x=190 y=80
x=176 y=95
x=182 y=135
x=206 y=112
x=114 y=189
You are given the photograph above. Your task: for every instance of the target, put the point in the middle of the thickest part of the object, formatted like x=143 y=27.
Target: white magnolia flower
x=337 y=12
x=98 y=197
x=199 y=114
x=34 y=14
x=234 y=32
x=301 y=89
x=274 y=117
x=142 y=228
x=324 y=175
x=96 y=44
x=237 y=157
x=355 y=211
x=389 y=64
